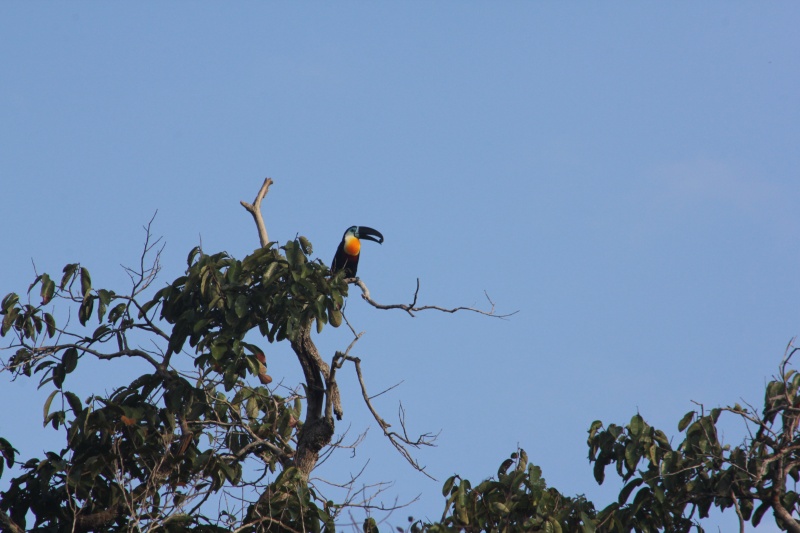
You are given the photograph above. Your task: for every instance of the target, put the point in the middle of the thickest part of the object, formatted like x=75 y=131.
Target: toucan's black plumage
x=349 y=249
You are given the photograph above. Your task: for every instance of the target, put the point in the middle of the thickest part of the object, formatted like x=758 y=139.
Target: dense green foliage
x=137 y=455
x=197 y=424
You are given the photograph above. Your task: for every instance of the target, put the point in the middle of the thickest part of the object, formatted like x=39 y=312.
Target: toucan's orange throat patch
x=352 y=246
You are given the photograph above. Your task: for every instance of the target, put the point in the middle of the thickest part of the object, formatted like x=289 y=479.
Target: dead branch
x=337 y=445
x=400 y=442
x=142 y=278
x=361 y=497
x=412 y=307
x=255 y=210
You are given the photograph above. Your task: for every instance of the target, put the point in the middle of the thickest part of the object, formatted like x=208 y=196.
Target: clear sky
x=625 y=175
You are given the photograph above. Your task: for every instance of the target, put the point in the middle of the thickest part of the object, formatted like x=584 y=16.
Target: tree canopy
x=203 y=420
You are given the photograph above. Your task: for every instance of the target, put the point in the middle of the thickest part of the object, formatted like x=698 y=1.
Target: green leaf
x=504 y=466
x=305 y=244
x=47 y=405
x=8 y=320
x=116 y=313
x=266 y=278
x=86 y=282
x=461 y=504
x=149 y=305
x=218 y=351
x=686 y=420
x=100 y=332
x=499 y=508
x=637 y=425
x=69 y=272
x=85 y=310
x=10 y=300
x=240 y=306
x=51 y=324
x=70 y=360
x=74 y=402
x=292 y=253
x=599 y=471
x=631 y=457
x=193 y=254
x=448 y=485
x=251 y=407
x=7 y=452
x=588 y=525
x=58 y=375
x=625 y=493
x=652 y=453
x=104 y=297
x=48 y=289
x=370 y=526
x=32 y=285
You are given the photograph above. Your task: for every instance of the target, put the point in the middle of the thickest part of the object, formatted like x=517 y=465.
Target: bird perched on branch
x=349 y=249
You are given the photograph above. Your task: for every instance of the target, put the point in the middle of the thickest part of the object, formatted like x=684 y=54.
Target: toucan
x=347 y=253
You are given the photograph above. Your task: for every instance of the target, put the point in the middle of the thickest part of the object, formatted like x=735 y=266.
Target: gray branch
x=255 y=210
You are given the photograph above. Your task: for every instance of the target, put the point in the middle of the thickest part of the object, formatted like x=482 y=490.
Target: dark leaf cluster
x=221 y=299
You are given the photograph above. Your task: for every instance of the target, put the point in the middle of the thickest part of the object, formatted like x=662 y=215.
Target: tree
x=675 y=486
x=155 y=452
x=152 y=453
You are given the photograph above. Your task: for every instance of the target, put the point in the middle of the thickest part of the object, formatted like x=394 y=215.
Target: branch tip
x=255 y=210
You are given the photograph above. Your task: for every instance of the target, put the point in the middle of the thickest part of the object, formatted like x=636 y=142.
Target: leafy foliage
x=153 y=452
x=674 y=484
x=137 y=456
x=517 y=500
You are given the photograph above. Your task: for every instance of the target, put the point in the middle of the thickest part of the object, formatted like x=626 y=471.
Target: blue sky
x=624 y=175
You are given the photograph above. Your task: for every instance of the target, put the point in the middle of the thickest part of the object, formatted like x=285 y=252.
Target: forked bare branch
x=148 y=269
x=400 y=442
x=255 y=210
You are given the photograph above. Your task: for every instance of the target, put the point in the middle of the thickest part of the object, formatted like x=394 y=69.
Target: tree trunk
x=317 y=430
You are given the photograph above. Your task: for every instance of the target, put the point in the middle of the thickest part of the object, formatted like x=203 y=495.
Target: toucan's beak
x=369 y=234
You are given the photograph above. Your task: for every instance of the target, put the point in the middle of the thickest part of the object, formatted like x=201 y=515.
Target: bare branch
x=144 y=276
x=255 y=210
x=400 y=442
x=742 y=521
x=50 y=350
x=337 y=445
x=384 y=391
x=412 y=307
